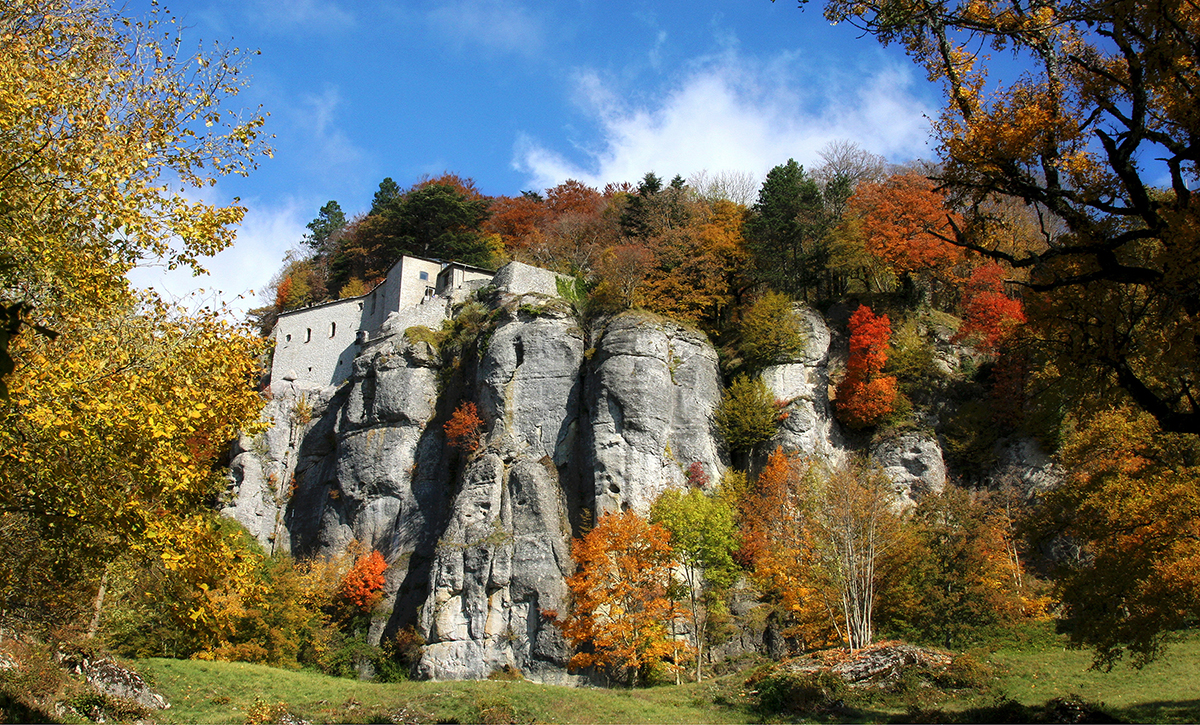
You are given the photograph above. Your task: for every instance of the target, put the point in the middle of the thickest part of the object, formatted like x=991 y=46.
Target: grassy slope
x=1030 y=670
x=1167 y=690
x=196 y=689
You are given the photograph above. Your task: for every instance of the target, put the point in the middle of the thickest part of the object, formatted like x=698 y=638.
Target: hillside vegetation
x=1035 y=287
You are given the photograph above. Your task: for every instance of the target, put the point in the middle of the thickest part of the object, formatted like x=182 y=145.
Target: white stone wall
x=516 y=278
x=317 y=344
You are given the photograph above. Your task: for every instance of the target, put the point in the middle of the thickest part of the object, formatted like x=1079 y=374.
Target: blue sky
x=524 y=94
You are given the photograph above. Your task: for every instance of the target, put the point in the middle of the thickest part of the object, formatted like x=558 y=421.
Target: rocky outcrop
x=913 y=463
x=803 y=384
x=651 y=392
x=114 y=680
x=502 y=561
x=1022 y=464
x=578 y=421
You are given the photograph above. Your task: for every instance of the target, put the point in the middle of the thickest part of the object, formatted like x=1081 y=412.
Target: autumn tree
x=703 y=538
x=906 y=223
x=1130 y=501
x=99 y=114
x=620 y=273
x=516 y=219
x=465 y=428
x=961 y=570
x=1105 y=110
x=777 y=546
x=620 y=612
x=110 y=439
x=989 y=315
x=864 y=396
x=854 y=527
x=362 y=587
x=699 y=270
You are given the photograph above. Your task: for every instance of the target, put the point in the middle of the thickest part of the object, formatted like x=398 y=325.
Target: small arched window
x=308 y=334
x=332 y=329
x=287 y=338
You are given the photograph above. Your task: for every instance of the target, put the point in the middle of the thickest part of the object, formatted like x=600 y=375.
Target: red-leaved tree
x=989 y=315
x=362 y=587
x=865 y=396
x=464 y=428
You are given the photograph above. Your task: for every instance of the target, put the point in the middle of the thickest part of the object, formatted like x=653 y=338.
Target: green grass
x=1167 y=690
x=1032 y=666
x=197 y=692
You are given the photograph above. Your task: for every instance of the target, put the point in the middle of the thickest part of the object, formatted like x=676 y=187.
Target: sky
x=524 y=94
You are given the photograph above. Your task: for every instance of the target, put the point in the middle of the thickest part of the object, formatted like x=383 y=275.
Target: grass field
x=1030 y=668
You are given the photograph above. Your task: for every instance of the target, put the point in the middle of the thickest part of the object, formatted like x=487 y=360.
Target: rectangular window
x=423 y=275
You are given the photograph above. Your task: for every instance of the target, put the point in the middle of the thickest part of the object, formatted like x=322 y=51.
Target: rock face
x=803 y=383
x=651 y=393
x=502 y=561
x=577 y=422
x=1022 y=463
x=913 y=463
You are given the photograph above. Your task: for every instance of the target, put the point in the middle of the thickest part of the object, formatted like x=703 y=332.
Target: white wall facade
x=318 y=344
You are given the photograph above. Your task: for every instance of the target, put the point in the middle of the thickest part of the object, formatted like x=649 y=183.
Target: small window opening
x=308 y=334
x=423 y=275
x=287 y=338
x=332 y=329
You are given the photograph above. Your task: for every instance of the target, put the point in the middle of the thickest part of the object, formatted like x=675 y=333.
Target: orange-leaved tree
x=778 y=548
x=621 y=615
x=864 y=396
x=362 y=587
x=464 y=428
x=906 y=223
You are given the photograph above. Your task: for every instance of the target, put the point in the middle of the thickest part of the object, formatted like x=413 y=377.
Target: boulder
x=516 y=278
x=114 y=680
x=913 y=463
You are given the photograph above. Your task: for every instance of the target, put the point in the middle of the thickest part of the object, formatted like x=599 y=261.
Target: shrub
x=770 y=332
x=746 y=415
x=362 y=587
x=799 y=693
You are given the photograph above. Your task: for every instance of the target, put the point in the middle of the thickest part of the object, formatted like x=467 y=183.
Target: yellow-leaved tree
x=110 y=433
x=109 y=128
x=109 y=441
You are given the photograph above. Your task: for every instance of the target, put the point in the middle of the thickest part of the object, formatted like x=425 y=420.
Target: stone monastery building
x=317 y=345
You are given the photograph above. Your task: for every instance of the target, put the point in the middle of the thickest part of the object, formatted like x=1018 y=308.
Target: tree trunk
x=97 y=606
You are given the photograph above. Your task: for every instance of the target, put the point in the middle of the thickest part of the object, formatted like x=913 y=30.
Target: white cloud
x=305 y=16
x=328 y=147
x=499 y=25
x=238 y=274
x=730 y=113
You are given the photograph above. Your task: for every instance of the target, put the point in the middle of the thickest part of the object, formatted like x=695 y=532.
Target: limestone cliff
x=579 y=420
